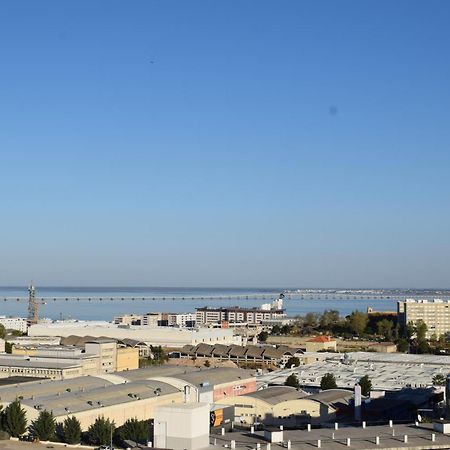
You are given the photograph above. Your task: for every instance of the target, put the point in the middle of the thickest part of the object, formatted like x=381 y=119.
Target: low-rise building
x=321 y=343
x=129 y=394
x=164 y=336
x=280 y=405
x=248 y=353
x=61 y=362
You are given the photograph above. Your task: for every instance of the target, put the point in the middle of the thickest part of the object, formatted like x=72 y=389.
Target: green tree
x=439 y=380
x=276 y=329
x=358 y=322
x=423 y=347
x=410 y=330
x=262 y=337
x=328 y=382
x=311 y=320
x=293 y=361
x=159 y=355
x=292 y=380
x=366 y=385
x=8 y=347
x=329 y=318
x=385 y=328
x=14 y=419
x=99 y=433
x=71 y=430
x=421 y=330
x=44 y=426
x=402 y=345
x=133 y=430
x=207 y=363
x=2 y=332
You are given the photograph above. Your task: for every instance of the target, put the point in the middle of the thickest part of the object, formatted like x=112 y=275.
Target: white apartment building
x=435 y=313
x=181 y=319
x=14 y=323
x=236 y=314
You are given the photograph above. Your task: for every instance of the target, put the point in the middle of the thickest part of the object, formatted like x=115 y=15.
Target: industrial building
x=386 y=437
x=124 y=395
x=287 y=406
x=164 y=336
x=60 y=362
x=247 y=353
x=387 y=371
x=435 y=314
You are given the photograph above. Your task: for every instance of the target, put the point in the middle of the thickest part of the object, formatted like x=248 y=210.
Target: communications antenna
x=33 y=306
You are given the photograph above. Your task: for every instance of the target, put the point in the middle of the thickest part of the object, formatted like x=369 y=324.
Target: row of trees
x=328 y=381
x=13 y=420
x=356 y=324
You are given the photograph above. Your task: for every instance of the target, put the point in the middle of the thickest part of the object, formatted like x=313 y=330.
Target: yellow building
x=280 y=405
x=127 y=359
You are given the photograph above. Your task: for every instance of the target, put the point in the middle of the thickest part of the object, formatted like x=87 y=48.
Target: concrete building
x=61 y=362
x=321 y=343
x=2 y=345
x=236 y=314
x=280 y=405
x=164 y=336
x=182 y=426
x=435 y=314
x=248 y=353
x=387 y=371
x=14 y=323
x=124 y=395
x=384 y=437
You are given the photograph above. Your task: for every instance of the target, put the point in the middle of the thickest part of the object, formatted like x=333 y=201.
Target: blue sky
x=226 y=143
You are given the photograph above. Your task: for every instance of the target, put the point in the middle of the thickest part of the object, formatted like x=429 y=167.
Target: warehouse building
x=282 y=405
x=248 y=353
x=60 y=362
x=164 y=336
x=124 y=395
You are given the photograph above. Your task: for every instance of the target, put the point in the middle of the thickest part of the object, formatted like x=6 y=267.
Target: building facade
x=236 y=314
x=435 y=314
x=14 y=323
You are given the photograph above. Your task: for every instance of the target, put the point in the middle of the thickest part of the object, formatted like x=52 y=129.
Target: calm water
x=107 y=309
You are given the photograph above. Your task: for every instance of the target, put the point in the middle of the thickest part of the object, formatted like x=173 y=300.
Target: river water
x=83 y=309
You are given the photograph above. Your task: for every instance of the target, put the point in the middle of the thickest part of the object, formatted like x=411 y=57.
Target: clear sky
x=225 y=143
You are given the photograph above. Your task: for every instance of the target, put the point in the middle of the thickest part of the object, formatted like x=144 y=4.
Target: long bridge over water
x=237 y=297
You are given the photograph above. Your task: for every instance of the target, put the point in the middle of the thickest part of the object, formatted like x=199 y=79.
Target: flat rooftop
x=419 y=438
x=387 y=371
